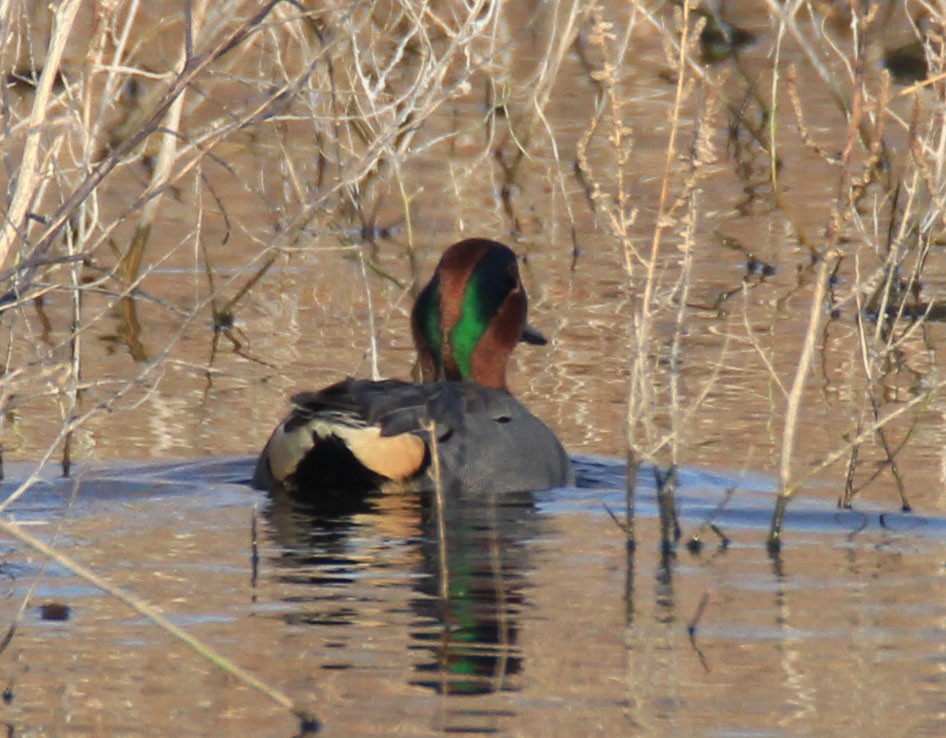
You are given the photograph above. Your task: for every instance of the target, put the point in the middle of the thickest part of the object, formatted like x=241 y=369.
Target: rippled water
x=528 y=617
x=521 y=617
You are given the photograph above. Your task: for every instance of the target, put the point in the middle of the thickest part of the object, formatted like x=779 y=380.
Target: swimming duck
x=358 y=435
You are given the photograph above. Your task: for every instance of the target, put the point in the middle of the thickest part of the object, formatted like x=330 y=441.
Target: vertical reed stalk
x=75 y=354
x=372 y=329
x=794 y=400
x=130 y=265
x=13 y=225
x=440 y=509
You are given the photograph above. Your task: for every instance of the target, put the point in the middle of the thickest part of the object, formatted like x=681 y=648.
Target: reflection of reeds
x=650 y=387
x=863 y=169
x=62 y=235
x=364 y=130
x=14 y=530
x=885 y=214
x=322 y=116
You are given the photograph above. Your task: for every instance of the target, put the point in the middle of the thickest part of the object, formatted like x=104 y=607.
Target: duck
x=459 y=429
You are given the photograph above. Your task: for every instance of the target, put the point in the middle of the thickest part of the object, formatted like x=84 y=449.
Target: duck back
x=338 y=441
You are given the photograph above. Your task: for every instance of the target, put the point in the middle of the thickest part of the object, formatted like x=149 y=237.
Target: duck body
x=460 y=425
x=358 y=435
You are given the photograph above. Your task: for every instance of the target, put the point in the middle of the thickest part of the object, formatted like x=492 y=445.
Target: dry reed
x=196 y=119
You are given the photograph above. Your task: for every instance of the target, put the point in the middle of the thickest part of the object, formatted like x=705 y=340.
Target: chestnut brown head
x=470 y=316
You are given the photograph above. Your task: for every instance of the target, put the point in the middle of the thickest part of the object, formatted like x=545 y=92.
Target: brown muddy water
x=532 y=618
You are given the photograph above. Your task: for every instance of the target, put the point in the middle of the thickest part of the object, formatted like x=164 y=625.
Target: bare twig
x=140 y=606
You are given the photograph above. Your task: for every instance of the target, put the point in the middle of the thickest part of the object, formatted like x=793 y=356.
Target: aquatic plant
x=273 y=178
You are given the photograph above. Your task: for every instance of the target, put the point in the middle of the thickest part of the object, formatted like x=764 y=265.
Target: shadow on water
x=468 y=580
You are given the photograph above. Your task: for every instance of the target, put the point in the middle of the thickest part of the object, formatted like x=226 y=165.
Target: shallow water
x=528 y=618
x=542 y=624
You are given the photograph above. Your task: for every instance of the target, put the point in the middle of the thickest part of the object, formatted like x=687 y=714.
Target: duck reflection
x=470 y=558
x=315 y=551
x=475 y=558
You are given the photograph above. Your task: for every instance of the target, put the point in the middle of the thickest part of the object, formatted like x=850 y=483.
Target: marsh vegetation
x=731 y=220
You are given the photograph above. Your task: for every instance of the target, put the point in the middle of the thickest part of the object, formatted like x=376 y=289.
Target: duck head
x=468 y=319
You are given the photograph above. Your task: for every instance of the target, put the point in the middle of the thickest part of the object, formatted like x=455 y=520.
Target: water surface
x=532 y=618
x=522 y=618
